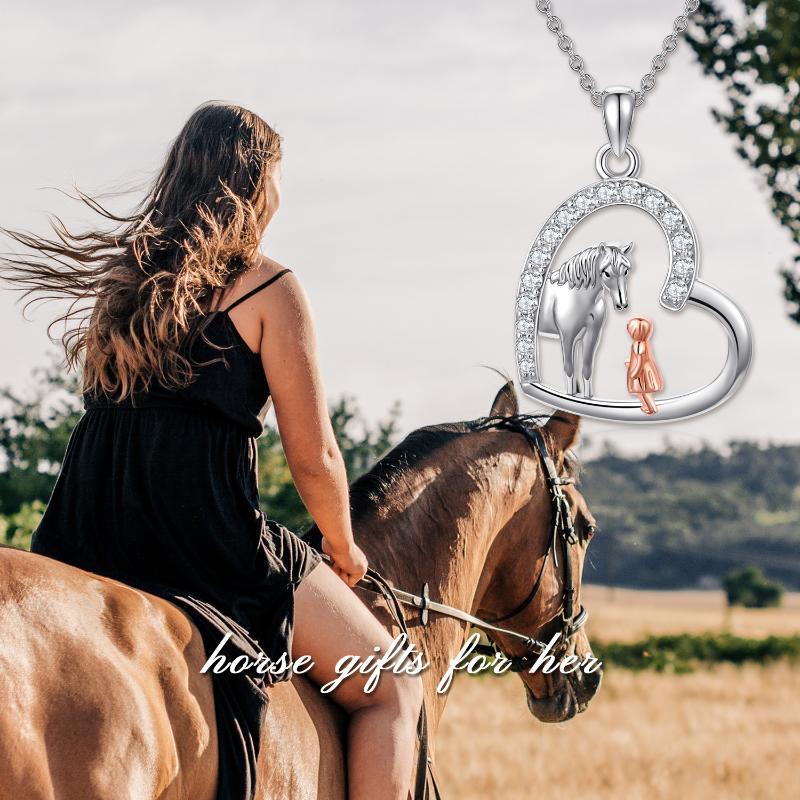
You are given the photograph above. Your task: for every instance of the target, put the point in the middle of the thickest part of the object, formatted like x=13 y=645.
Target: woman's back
x=229 y=377
x=173 y=472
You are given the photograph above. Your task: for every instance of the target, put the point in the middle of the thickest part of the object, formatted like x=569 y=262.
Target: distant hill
x=678 y=518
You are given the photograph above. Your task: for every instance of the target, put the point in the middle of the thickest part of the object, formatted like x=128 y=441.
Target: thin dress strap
x=256 y=290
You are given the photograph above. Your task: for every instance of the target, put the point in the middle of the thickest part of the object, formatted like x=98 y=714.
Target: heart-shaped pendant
x=565 y=297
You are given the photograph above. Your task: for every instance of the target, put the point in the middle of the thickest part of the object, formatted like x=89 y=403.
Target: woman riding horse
x=182 y=351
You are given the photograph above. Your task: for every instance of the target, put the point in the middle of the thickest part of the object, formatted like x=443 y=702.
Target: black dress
x=161 y=492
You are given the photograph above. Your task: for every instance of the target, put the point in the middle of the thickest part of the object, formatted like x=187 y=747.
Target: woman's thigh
x=331 y=622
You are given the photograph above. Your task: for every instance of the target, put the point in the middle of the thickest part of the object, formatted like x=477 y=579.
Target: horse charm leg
x=569 y=350
x=591 y=339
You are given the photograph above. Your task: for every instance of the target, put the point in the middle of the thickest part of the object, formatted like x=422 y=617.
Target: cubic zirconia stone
x=527 y=304
x=551 y=235
x=525 y=348
x=608 y=192
x=653 y=202
x=682 y=242
x=539 y=258
x=531 y=280
x=675 y=292
x=672 y=218
x=566 y=215
x=527 y=369
x=524 y=328
x=683 y=269
x=585 y=201
x=632 y=192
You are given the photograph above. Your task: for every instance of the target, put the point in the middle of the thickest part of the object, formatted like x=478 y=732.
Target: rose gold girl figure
x=644 y=377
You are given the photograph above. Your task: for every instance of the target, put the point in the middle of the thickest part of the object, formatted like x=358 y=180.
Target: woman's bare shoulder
x=285 y=298
x=263 y=271
x=267 y=268
x=263 y=268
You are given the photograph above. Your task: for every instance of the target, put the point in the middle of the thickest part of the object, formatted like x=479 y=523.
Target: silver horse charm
x=573 y=305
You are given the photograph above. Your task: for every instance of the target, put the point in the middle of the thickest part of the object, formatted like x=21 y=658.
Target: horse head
x=517 y=558
x=464 y=509
x=613 y=266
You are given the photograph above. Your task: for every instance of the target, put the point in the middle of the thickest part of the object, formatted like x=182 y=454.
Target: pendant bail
x=619 y=103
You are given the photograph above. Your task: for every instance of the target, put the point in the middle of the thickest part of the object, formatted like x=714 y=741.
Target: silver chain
x=588 y=81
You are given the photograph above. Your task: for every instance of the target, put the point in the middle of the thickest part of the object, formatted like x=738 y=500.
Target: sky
x=425 y=144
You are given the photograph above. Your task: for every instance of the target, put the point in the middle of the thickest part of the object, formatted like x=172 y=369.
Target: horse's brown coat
x=99 y=687
x=99 y=682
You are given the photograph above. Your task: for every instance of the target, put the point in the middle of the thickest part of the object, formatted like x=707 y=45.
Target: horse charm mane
x=573 y=305
x=580 y=271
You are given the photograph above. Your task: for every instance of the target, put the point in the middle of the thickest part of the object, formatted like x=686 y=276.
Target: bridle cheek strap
x=563 y=530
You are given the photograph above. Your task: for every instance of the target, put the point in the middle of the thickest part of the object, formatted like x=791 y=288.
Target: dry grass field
x=720 y=733
x=624 y=615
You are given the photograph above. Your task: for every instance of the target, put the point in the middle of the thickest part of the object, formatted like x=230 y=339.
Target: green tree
x=674 y=518
x=17 y=529
x=360 y=443
x=34 y=430
x=756 y=57
x=749 y=587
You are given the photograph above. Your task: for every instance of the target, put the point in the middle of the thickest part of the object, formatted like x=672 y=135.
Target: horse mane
x=580 y=271
x=370 y=490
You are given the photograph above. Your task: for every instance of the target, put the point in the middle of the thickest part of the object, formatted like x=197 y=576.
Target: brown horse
x=99 y=683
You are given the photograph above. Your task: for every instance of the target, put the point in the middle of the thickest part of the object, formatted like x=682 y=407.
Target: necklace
x=587 y=81
x=567 y=298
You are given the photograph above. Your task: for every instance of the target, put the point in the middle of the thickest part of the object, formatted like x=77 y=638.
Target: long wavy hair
x=139 y=287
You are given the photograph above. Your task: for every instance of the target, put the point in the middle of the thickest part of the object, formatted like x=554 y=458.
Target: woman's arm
x=289 y=357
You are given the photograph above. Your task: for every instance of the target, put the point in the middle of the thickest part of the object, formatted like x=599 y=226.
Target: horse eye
x=626 y=271
x=606 y=273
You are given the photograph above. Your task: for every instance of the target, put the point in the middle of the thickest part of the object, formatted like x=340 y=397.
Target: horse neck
x=438 y=528
x=596 y=291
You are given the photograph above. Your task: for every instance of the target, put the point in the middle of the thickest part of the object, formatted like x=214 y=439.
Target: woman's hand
x=350 y=565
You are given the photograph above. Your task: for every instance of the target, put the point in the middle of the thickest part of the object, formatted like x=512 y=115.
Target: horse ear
x=626 y=248
x=564 y=428
x=505 y=403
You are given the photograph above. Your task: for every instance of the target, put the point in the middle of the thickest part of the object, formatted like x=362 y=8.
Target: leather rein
x=562 y=531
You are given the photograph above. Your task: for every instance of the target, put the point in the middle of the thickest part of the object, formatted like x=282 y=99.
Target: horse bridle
x=562 y=530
